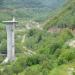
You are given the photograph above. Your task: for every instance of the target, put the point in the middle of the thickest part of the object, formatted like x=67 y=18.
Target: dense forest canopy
x=39 y=51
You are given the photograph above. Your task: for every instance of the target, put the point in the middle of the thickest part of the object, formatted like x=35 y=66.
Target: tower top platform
x=11 y=21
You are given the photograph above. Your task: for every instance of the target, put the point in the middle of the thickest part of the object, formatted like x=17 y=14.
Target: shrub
x=66 y=56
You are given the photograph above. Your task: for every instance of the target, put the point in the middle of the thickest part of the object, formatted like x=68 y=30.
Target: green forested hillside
x=39 y=52
x=29 y=9
x=66 y=16
x=45 y=54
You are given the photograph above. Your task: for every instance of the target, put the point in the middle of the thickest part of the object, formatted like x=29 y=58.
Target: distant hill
x=33 y=3
x=38 y=10
x=65 y=16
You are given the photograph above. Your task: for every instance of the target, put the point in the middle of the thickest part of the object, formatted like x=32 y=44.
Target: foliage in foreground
x=51 y=53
